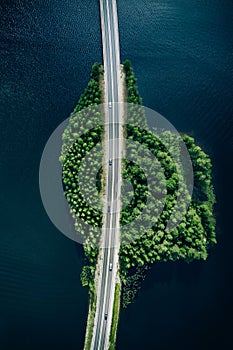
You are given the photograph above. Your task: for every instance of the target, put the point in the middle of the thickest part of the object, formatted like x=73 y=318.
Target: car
x=105 y=316
x=110 y=267
x=110 y=161
x=110 y=105
x=109 y=209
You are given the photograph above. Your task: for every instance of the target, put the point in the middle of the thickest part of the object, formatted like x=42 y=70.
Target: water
x=182 y=55
x=47 y=49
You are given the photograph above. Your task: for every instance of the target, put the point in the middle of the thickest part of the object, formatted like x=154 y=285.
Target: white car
x=110 y=267
x=110 y=105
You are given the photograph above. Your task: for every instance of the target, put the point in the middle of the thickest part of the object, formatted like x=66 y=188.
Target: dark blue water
x=182 y=54
x=47 y=49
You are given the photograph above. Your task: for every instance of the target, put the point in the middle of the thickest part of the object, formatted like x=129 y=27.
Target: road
x=113 y=153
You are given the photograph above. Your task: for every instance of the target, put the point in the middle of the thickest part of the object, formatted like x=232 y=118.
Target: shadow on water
x=80 y=251
x=179 y=271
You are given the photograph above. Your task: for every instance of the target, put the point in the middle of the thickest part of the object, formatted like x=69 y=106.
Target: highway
x=113 y=153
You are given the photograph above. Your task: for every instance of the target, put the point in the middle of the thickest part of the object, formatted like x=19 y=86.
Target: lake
x=182 y=55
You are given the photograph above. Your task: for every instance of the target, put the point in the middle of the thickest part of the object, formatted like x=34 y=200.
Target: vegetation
x=115 y=315
x=133 y=94
x=134 y=113
x=194 y=233
x=81 y=157
x=148 y=206
x=90 y=323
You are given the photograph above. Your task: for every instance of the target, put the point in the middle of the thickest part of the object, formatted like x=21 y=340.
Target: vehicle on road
x=105 y=316
x=110 y=105
x=110 y=267
x=109 y=209
x=110 y=161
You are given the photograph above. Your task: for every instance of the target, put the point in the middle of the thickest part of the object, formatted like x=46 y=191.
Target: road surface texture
x=108 y=262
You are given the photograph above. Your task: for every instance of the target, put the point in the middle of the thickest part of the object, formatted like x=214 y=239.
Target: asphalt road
x=113 y=151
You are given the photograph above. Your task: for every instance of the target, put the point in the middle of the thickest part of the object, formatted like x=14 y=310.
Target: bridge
x=108 y=262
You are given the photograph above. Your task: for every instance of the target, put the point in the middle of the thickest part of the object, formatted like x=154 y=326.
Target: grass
x=115 y=316
x=90 y=324
x=117 y=294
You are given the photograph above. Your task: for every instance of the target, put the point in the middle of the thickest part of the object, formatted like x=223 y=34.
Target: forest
x=81 y=156
x=195 y=233
x=145 y=238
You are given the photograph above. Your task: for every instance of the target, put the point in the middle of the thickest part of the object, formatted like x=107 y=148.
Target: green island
x=193 y=236
x=74 y=148
x=189 y=240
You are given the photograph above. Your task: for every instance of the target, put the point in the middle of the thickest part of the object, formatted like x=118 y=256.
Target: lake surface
x=182 y=55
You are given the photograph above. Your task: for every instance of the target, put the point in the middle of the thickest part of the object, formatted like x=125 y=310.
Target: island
x=190 y=240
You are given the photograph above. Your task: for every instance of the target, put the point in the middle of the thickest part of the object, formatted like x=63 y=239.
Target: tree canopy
x=142 y=245
x=195 y=233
